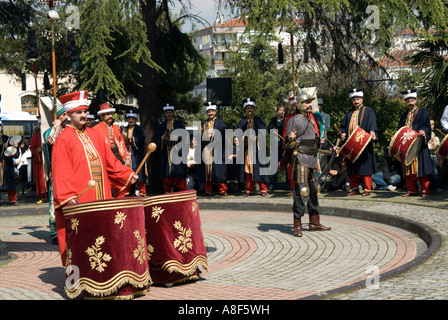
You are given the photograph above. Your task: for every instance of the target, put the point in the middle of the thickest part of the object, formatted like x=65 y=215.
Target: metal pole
x=292 y=61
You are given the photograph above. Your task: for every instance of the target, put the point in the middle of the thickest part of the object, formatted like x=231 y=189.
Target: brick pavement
x=253 y=256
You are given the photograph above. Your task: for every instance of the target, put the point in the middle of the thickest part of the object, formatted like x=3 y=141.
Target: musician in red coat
x=80 y=155
x=38 y=167
x=112 y=136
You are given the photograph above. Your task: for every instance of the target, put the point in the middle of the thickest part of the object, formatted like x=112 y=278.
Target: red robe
x=71 y=171
x=101 y=128
x=38 y=167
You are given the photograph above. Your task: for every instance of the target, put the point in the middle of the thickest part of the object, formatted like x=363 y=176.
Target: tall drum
x=405 y=145
x=176 y=247
x=355 y=144
x=106 y=249
x=443 y=148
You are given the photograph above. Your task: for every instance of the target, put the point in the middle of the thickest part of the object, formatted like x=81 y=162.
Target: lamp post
x=53 y=16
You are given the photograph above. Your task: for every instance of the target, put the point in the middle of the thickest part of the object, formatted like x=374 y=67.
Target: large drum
x=106 y=249
x=176 y=247
x=443 y=148
x=355 y=144
x=405 y=145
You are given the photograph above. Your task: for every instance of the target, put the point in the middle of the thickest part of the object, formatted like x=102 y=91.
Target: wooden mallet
x=90 y=185
x=151 y=148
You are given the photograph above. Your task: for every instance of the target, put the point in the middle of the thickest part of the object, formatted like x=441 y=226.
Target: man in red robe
x=112 y=136
x=79 y=155
x=38 y=166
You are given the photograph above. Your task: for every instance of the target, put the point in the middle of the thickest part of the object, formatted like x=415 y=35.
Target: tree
x=432 y=61
x=254 y=73
x=112 y=42
x=346 y=30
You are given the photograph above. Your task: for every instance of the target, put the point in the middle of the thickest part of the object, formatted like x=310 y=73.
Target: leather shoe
x=425 y=195
x=366 y=194
x=353 y=193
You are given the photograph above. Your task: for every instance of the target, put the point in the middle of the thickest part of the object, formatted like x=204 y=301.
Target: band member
x=285 y=162
x=111 y=132
x=421 y=168
x=171 y=173
x=365 y=166
x=250 y=171
x=303 y=138
x=112 y=135
x=50 y=136
x=211 y=169
x=90 y=120
x=134 y=137
x=7 y=176
x=79 y=155
x=38 y=165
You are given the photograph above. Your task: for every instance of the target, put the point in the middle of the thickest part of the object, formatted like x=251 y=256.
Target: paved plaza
x=384 y=247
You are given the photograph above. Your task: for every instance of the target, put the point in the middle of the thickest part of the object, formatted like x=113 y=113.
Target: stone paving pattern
x=253 y=255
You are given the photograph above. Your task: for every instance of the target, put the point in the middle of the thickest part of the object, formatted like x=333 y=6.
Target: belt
x=307 y=150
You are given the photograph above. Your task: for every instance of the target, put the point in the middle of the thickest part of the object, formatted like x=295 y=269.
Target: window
x=28 y=103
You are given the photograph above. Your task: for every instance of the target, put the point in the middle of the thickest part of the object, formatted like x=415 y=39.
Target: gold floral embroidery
x=183 y=242
x=194 y=207
x=360 y=136
x=75 y=224
x=139 y=252
x=68 y=262
x=157 y=212
x=407 y=136
x=97 y=258
x=150 y=251
x=119 y=218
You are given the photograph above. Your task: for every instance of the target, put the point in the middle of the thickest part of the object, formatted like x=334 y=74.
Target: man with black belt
x=303 y=138
x=365 y=166
x=421 y=168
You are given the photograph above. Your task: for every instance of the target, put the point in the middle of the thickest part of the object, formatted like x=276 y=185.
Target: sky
x=206 y=9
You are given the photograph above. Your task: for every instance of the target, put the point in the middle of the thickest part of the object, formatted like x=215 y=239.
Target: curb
x=429 y=235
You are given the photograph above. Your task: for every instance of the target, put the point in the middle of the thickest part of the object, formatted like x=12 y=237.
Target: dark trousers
x=305 y=192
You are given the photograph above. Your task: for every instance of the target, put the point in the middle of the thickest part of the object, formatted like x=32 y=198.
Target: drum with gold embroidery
x=176 y=248
x=443 y=148
x=355 y=144
x=107 y=255
x=405 y=145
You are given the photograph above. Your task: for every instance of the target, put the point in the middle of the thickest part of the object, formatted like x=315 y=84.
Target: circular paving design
x=252 y=255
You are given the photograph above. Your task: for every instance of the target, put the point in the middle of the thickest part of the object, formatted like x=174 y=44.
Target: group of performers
x=100 y=163
x=99 y=230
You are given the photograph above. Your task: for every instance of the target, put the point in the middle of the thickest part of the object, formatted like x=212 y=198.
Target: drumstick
x=151 y=147
x=387 y=132
x=280 y=136
x=338 y=129
x=90 y=185
x=441 y=132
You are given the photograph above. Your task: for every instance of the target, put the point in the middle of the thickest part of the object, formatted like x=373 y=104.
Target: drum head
x=413 y=150
x=14 y=139
x=10 y=152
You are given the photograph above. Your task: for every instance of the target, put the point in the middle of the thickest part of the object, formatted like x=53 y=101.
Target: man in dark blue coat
x=171 y=173
x=250 y=171
x=134 y=138
x=421 y=168
x=365 y=166
x=213 y=168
